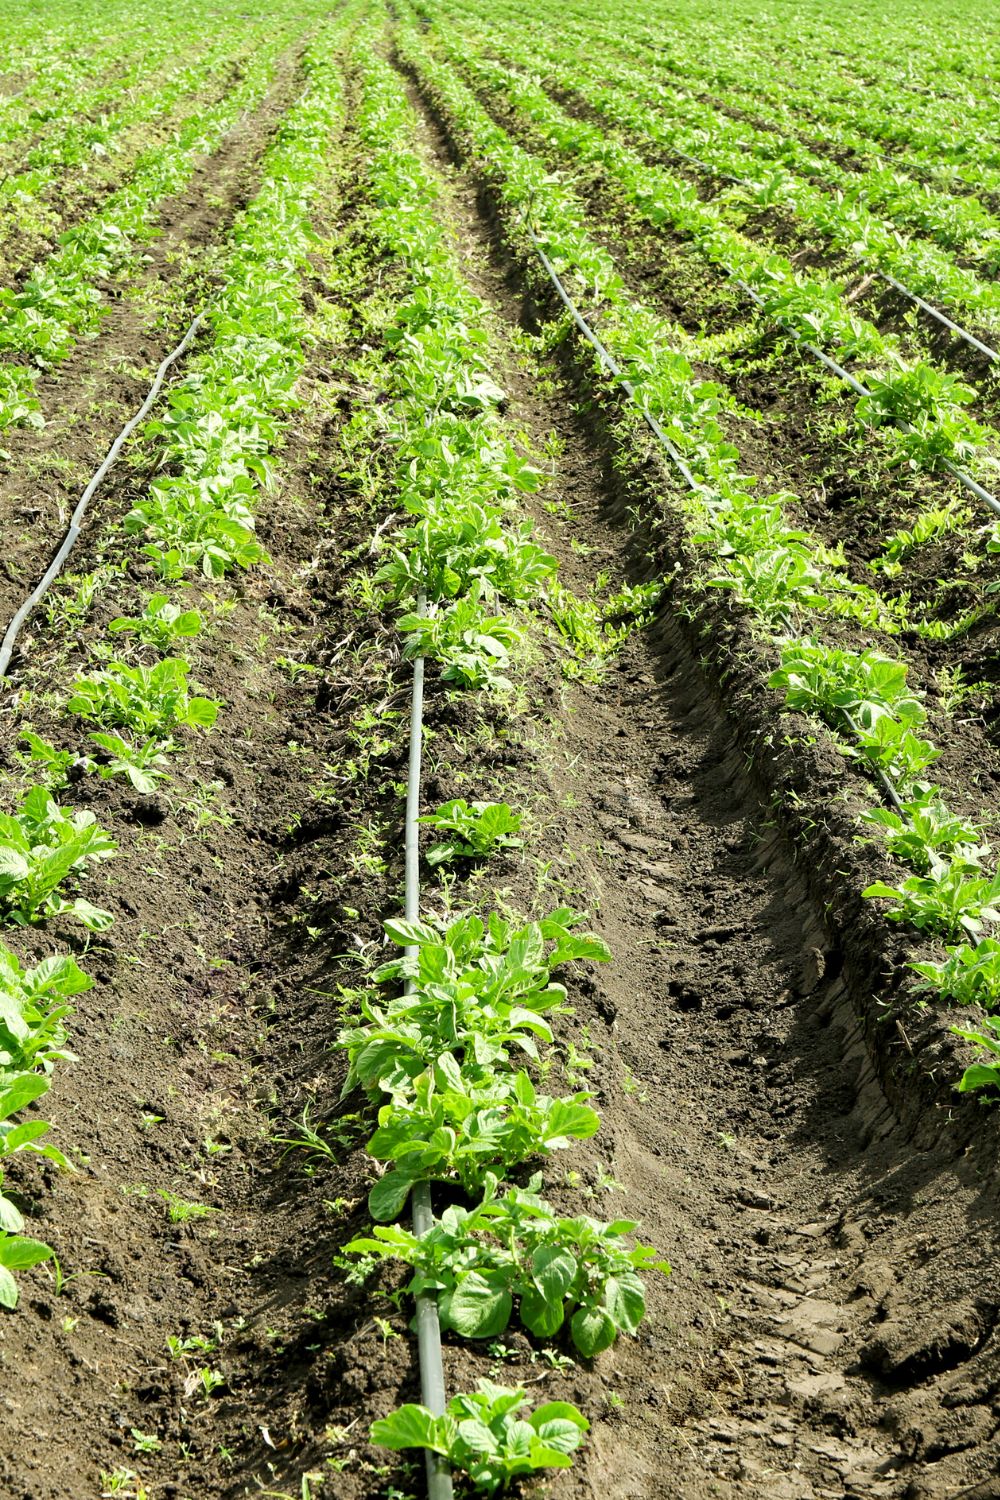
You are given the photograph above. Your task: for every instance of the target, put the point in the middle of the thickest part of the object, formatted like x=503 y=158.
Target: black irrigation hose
x=921 y=302
x=964 y=479
x=609 y=363
x=439 y=1485
x=935 y=312
x=76 y=520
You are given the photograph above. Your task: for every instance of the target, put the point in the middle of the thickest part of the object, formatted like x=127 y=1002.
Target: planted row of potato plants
x=925 y=401
x=840 y=424
x=845 y=88
x=66 y=113
x=62 y=300
x=783 y=577
x=447 y=1039
x=64 y=169
x=775 y=171
x=939 y=512
x=958 y=222
x=48 y=79
x=213 y=448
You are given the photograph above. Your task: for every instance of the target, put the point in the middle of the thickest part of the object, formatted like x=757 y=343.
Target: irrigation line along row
x=58 y=562
x=964 y=479
x=439 y=1485
x=609 y=363
x=921 y=302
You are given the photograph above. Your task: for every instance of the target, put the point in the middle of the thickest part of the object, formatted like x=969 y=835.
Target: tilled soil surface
x=88 y=398
x=777 y=1124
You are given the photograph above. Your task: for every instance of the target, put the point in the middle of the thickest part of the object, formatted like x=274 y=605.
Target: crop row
x=52 y=78
x=37 y=198
x=67 y=112
x=877 y=107
x=871 y=410
x=447 y=1061
x=770 y=566
x=212 y=445
x=927 y=403
x=958 y=223
x=62 y=301
x=776 y=171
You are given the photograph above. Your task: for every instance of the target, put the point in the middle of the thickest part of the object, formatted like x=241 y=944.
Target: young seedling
x=478 y=828
x=485 y=1435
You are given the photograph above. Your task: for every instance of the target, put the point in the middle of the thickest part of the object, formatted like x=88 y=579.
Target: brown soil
x=87 y=399
x=776 y=1109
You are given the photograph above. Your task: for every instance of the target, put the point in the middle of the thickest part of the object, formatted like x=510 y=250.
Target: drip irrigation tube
x=609 y=363
x=935 y=312
x=55 y=567
x=904 y=291
x=439 y=1486
x=964 y=479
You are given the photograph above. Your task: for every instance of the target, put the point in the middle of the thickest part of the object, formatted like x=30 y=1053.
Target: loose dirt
x=88 y=398
x=775 y=1119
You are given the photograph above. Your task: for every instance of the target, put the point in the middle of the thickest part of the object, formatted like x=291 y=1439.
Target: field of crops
x=500 y=761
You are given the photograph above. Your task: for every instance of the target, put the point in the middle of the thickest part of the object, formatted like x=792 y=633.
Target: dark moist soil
x=828 y=1327
x=848 y=496
x=87 y=399
x=188 y=1061
x=768 y=1091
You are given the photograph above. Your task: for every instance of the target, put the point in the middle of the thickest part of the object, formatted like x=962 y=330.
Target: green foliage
x=479 y=988
x=149 y=701
x=928 y=400
x=983 y=1074
x=454 y=546
x=471 y=645
x=32 y=1011
x=865 y=692
x=41 y=845
x=829 y=682
x=485 y=1436
x=970 y=975
x=478 y=828
x=449 y=1125
x=144 y=764
x=17 y=1253
x=161 y=623
x=926 y=834
x=953 y=899
x=575 y=1270
x=598 y=628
